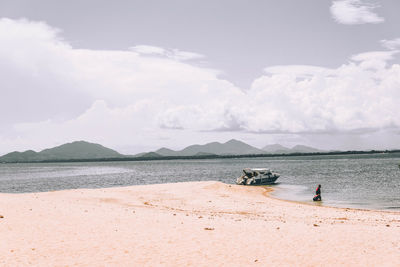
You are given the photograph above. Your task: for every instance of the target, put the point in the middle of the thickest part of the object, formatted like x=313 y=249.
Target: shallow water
x=361 y=181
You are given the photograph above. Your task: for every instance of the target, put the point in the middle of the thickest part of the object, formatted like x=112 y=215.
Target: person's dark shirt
x=318 y=191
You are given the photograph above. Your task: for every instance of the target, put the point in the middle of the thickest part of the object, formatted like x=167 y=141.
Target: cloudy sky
x=139 y=75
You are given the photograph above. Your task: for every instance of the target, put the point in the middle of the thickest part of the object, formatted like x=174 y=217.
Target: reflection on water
x=363 y=181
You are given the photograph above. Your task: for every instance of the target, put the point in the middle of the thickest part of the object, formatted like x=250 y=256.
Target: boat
x=257 y=176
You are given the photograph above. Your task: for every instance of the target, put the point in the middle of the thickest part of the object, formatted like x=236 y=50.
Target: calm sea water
x=362 y=181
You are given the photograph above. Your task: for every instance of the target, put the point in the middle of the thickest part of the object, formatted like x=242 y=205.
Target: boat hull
x=244 y=180
x=265 y=181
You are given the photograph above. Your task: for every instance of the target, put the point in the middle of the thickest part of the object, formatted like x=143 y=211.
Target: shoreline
x=267 y=188
x=189 y=223
x=327 y=206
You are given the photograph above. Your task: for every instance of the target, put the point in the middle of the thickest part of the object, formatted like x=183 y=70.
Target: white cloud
x=36 y=73
x=46 y=82
x=297 y=70
x=53 y=93
x=43 y=74
x=391 y=44
x=354 y=12
x=361 y=94
x=148 y=49
x=374 y=59
x=159 y=51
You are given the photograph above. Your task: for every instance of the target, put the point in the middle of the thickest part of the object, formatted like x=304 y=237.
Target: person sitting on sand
x=317 y=196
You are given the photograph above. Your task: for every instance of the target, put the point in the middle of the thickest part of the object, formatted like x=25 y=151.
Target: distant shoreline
x=338 y=153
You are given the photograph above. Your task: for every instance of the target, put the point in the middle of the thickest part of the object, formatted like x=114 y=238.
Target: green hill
x=279 y=149
x=69 y=151
x=166 y=152
x=150 y=155
x=232 y=147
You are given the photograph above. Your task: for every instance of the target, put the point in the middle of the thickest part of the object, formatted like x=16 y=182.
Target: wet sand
x=190 y=224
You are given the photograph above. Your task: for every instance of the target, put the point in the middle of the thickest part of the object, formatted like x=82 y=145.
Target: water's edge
x=355 y=182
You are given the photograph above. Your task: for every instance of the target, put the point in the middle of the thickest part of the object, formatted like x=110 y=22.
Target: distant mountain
x=150 y=155
x=166 y=152
x=276 y=149
x=232 y=147
x=28 y=155
x=279 y=149
x=81 y=150
x=137 y=155
x=69 y=151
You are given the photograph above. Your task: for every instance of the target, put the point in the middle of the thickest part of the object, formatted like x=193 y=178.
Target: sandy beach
x=189 y=224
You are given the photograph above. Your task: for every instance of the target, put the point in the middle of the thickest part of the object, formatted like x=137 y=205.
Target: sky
x=139 y=75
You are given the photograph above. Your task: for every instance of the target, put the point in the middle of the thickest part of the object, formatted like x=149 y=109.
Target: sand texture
x=189 y=224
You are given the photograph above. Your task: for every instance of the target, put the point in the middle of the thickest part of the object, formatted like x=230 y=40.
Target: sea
x=356 y=181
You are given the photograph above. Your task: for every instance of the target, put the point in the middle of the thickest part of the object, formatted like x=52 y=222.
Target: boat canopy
x=258 y=170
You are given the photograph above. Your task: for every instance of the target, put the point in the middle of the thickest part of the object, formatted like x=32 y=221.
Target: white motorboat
x=257 y=176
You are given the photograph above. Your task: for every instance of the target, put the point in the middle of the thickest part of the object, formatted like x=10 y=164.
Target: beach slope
x=191 y=224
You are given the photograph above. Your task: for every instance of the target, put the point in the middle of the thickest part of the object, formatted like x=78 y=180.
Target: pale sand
x=167 y=225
